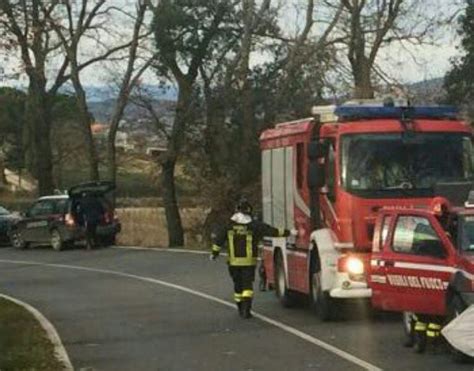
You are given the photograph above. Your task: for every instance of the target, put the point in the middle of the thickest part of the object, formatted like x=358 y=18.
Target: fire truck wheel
x=408 y=328
x=320 y=300
x=282 y=292
x=455 y=308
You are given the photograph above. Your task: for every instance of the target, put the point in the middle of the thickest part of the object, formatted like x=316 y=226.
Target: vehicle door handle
x=389 y=263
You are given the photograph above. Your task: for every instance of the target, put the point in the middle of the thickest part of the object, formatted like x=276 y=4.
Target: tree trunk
x=249 y=136
x=44 y=161
x=111 y=159
x=85 y=120
x=363 y=88
x=173 y=218
x=28 y=144
x=168 y=163
x=248 y=121
x=40 y=123
x=3 y=177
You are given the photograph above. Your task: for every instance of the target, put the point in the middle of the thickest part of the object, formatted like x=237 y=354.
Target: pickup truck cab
x=423 y=261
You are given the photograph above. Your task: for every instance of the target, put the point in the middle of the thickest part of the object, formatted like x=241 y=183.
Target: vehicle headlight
x=354 y=265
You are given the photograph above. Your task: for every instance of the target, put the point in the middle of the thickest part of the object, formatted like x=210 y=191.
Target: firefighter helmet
x=243 y=206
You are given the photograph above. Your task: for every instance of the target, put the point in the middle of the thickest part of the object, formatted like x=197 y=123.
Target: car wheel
x=282 y=292
x=56 y=240
x=17 y=240
x=455 y=308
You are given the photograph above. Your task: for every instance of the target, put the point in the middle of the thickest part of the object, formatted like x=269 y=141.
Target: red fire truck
x=423 y=263
x=329 y=176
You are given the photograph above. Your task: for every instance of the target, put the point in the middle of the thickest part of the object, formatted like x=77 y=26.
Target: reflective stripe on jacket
x=242 y=241
x=241 y=248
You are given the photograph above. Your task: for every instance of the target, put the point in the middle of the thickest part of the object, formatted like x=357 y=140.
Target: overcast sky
x=406 y=66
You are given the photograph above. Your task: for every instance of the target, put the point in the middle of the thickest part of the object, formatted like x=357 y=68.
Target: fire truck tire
x=281 y=290
x=455 y=308
x=320 y=300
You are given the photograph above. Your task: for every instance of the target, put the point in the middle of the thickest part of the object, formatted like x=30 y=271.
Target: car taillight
x=109 y=217
x=69 y=220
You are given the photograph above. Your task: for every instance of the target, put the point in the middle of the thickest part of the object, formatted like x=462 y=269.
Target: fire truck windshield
x=394 y=163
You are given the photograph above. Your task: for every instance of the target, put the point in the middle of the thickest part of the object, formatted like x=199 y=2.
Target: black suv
x=58 y=221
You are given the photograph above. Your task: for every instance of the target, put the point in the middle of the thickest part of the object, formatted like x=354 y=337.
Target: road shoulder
x=29 y=340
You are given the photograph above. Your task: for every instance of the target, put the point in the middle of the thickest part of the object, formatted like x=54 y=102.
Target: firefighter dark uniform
x=242 y=236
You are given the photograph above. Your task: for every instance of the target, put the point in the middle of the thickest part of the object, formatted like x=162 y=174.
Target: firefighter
x=441 y=209
x=242 y=235
x=92 y=211
x=427 y=328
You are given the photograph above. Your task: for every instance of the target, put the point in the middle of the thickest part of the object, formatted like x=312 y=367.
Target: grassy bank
x=23 y=342
x=144 y=226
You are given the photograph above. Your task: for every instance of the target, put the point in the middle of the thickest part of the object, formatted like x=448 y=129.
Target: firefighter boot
x=239 y=308
x=263 y=278
x=419 y=337
x=246 y=309
x=433 y=335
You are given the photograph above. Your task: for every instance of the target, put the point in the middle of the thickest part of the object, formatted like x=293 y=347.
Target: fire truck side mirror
x=316 y=177
x=317 y=150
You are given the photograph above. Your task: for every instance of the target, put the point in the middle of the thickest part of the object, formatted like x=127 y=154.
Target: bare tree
x=369 y=25
x=40 y=31
x=24 y=23
x=71 y=30
x=129 y=80
x=185 y=36
x=259 y=30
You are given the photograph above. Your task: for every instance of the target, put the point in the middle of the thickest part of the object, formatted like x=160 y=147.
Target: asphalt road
x=118 y=309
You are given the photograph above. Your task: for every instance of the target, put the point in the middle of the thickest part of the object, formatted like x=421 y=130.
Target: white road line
x=291 y=330
x=161 y=249
x=165 y=249
x=59 y=350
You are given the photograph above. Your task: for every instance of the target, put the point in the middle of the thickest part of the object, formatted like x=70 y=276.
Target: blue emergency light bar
x=349 y=112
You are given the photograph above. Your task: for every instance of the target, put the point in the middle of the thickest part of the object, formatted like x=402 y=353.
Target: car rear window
x=61 y=206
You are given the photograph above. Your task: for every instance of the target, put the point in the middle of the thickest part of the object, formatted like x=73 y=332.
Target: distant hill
x=100 y=100
x=102 y=93
x=428 y=91
x=102 y=110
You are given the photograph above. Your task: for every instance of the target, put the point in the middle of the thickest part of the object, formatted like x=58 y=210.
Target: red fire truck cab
x=329 y=176
x=423 y=262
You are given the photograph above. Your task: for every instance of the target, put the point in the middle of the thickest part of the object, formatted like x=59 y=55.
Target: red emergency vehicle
x=328 y=176
x=423 y=262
